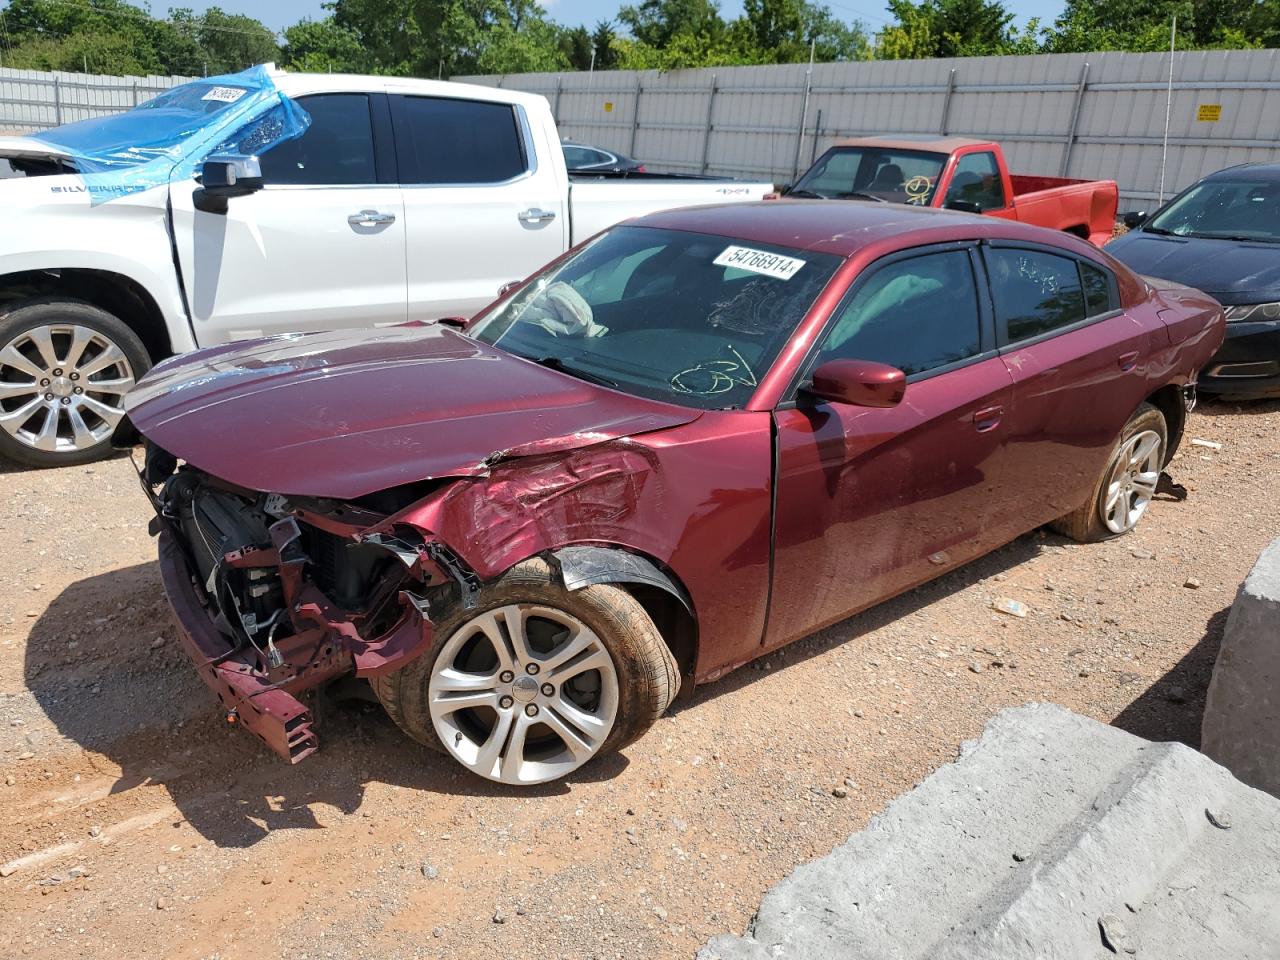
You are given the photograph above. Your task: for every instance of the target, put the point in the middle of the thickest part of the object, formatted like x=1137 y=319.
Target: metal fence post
x=706 y=134
x=135 y=92
x=555 y=107
x=1075 y=119
x=635 y=118
x=57 y=101
x=817 y=130
x=946 y=102
x=804 y=116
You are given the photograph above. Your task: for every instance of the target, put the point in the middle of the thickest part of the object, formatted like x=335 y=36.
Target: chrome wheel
x=1132 y=483
x=62 y=387
x=523 y=694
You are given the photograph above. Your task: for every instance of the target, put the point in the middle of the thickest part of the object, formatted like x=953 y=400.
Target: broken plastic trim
x=583 y=565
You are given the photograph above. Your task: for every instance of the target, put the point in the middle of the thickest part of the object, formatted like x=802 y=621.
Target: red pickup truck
x=959 y=174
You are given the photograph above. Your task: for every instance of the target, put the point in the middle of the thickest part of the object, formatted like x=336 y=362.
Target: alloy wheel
x=1132 y=483
x=62 y=387
x=523 y=693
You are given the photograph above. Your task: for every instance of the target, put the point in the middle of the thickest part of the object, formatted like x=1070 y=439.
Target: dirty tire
x=20 y=318
x=648 y=677
x=1086 y=524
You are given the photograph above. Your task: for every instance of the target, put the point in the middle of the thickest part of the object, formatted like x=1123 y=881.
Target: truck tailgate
x=597 y=204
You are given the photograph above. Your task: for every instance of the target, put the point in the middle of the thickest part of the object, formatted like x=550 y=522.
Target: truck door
x=483 y=205
x=321 y=246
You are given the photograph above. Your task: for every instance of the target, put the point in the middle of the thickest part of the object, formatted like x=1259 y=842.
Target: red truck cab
x=958 y=173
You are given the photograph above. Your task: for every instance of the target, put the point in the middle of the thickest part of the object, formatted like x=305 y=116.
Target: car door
x=320 y=246
x=480 y=208
x=1077 y=361
x=873 y=501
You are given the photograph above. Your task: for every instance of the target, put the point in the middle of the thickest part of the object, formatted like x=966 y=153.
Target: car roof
x=843 y=227
x=1248 y=171
x=302 y=84
x=913 y=141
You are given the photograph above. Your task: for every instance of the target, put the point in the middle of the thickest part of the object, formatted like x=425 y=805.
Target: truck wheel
x=1127 y=484
x=535 y=680
x=65 y=367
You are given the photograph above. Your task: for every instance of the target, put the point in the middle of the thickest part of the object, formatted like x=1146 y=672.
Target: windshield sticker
x=224 y=94
x=759 y=261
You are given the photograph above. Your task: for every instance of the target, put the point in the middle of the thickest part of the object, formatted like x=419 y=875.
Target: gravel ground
x=133 y=823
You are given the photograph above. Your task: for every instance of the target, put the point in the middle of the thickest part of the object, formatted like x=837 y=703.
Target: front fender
x=581 y=565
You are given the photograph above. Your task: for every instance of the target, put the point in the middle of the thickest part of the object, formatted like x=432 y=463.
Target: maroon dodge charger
x=697 y=437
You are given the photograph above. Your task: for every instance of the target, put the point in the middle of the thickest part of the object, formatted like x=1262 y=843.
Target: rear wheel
x=535 y=680
x=1128 y=481
x=65 y=368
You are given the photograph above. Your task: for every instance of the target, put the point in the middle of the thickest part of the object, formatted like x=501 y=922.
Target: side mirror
x=965 y=206
x=224 y=177
x=1134 y=218
x=863 y=383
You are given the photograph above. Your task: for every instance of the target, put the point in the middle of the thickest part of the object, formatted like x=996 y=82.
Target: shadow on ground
x=1172 y=708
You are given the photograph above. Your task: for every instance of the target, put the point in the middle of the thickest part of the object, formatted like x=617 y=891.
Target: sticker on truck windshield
x=224 y=94
x=759 y=261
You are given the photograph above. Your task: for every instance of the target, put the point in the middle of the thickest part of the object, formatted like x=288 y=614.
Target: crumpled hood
x=1230 y=271
x=352 y=412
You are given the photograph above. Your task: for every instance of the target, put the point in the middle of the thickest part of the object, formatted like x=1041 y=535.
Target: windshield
x=1224 y=209
x=155 y=128
x=688 y=318
x=898 y=176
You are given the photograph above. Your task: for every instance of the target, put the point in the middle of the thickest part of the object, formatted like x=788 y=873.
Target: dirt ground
x=132 y=823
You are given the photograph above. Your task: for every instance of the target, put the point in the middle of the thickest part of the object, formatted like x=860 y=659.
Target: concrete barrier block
x=1241 y=726
x=1053 y=837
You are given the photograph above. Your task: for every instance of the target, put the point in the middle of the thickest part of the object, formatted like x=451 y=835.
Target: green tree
x=577 y=47
x=1144 y=25
x=781 y=31
x=947 y=28
x=602 y=40
x=321 y=46
x=232 y=42
x=656 y=23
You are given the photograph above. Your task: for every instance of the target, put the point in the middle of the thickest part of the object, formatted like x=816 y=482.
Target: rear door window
x=1035 y=292
x=1100 y=293
x=446 y=141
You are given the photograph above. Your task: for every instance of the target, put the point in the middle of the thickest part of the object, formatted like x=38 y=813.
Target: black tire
x=648 y=678
x=21 y=318
x=1086 y=523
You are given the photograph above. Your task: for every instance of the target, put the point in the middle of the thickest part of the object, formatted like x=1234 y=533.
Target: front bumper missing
x=325 y=646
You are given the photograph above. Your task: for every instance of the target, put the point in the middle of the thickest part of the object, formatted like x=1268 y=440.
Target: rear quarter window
x=1034 y=292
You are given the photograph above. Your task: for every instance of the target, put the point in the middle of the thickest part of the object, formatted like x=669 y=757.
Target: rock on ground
x=1052 y=836
x=1241 y=727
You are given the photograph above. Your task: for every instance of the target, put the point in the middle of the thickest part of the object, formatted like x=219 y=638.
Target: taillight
x=640 y=169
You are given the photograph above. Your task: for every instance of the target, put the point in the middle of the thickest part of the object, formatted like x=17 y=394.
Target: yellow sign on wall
x=608 y=106
x=1209 y=112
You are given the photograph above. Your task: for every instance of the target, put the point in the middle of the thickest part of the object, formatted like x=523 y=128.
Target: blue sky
x=284 y=13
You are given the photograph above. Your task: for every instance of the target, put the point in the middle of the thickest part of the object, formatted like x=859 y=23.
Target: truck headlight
x=1254 y=311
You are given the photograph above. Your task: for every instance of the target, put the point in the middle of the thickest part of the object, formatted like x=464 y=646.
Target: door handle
x=1128 y=361
x=370 y=218
x=988 y=418
x=535 y=215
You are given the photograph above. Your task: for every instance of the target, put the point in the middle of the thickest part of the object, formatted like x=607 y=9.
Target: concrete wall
x=1241 y=728
x=1098 y=115
x=1053 y=837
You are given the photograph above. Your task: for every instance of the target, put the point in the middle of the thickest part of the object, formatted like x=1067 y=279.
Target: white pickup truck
x=404 y=199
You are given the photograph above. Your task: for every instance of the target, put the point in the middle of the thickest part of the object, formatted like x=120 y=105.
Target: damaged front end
x=274 y=596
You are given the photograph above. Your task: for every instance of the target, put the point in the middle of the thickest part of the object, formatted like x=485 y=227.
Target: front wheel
x=535 y=680
x=1128 y=481
x=65 y=368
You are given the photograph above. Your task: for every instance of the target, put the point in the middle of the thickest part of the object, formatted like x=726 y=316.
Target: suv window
x=1034 y=292
x=337 y=148
x=579 y=156
x=445 y=141
x=915 y=314
x=977 y=180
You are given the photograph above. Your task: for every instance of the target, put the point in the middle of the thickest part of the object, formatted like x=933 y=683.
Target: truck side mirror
x=224 y=177
x=1134 y=218
x=965 y=206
